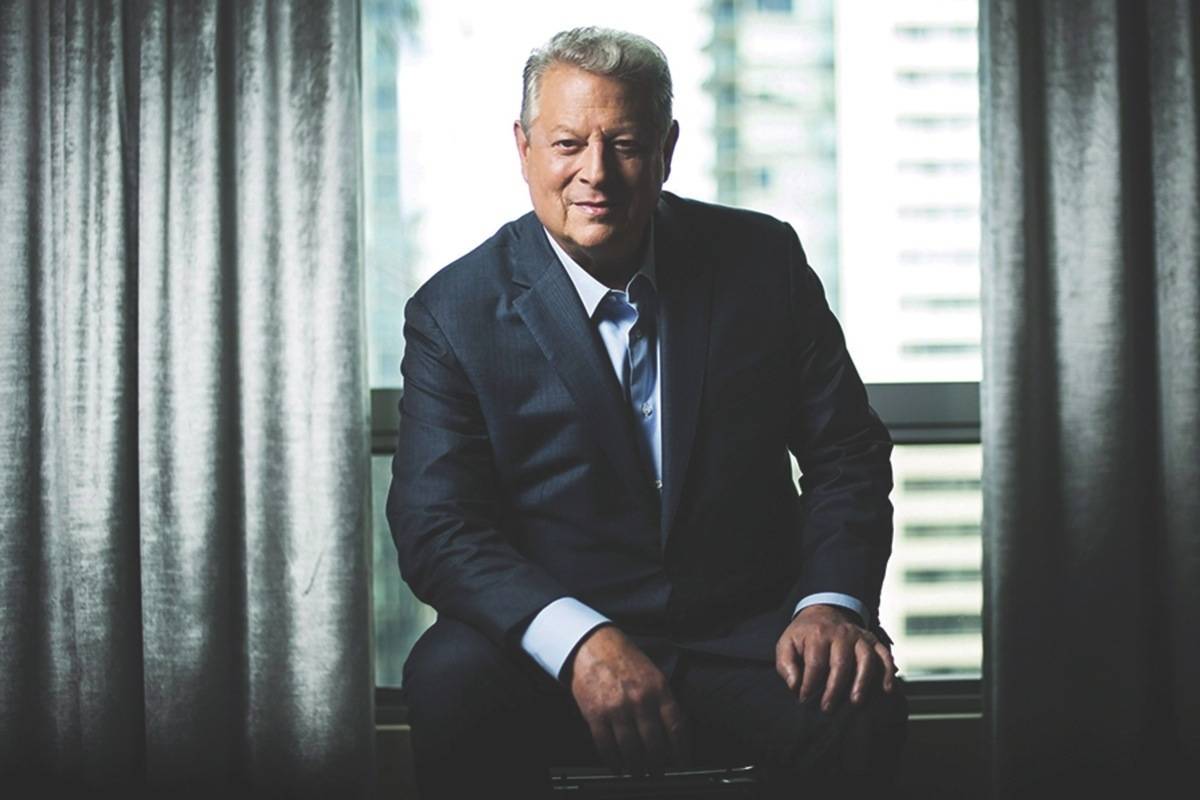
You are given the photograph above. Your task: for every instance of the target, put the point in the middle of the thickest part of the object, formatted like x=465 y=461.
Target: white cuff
x=834 y=599
x=557 y=630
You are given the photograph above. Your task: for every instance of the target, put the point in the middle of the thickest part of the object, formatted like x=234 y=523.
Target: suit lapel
x=685 y=296
x=554 y=315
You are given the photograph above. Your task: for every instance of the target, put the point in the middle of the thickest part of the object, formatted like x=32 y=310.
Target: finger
x=816 y=668
x=653 y=734
x=865 y=667
x=678 y=733
x=841 y=665
x=629 y=742
x=889 y=666
x=654 y=741
x=788 y=662
x=606 y=745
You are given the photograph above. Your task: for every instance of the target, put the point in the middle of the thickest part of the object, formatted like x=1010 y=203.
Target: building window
x=939 y=303
x=942 y=624
x=924 y=31
x=775 y=6
x=932 y=166
x=939 y=530
x=942 y=575
x=939 y=349
x=937 y=213
x=935 y=122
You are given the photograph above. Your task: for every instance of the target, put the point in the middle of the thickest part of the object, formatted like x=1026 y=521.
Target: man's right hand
x=635 y=722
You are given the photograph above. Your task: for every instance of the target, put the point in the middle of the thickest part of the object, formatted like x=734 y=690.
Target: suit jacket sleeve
x=445 y=507
x=843 y=450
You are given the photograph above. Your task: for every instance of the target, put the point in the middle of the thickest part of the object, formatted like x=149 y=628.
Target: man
x=592 y=483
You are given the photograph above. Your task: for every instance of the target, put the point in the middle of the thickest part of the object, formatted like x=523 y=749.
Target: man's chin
x=606 y=237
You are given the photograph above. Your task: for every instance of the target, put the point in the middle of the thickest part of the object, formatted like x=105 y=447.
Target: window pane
x=908 y=153
x=399 y=617
x=933 y=592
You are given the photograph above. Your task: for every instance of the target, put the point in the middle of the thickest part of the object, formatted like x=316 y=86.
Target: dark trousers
x=488 y=722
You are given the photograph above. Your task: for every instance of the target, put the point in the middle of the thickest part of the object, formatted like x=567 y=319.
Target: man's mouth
x=594 y=208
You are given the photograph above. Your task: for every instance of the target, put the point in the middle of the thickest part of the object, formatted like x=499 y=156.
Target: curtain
x=1091 y=394
x=183 y=409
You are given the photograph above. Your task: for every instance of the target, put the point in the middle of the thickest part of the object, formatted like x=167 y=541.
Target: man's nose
x=595 y=163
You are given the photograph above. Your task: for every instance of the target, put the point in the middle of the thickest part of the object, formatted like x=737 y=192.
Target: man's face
x=594 y=165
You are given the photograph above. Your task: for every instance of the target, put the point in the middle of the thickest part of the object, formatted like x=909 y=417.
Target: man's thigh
x=743 y=712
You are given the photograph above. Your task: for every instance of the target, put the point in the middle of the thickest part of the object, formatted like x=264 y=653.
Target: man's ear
x=522 y=148
x=669 y=148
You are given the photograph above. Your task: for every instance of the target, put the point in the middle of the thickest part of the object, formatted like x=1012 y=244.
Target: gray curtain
x=184 y=471
x=1091 y=394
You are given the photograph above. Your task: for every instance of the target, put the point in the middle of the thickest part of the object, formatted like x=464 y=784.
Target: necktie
x=639 y=376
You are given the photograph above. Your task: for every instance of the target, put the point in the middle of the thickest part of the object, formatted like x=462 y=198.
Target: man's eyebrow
x=629 y=129
x=631 y=126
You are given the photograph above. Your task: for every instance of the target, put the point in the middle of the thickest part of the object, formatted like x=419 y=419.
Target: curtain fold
x=183 y=406
x=1091 y=392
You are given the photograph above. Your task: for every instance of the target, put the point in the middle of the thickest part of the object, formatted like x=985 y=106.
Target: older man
x=592 y=483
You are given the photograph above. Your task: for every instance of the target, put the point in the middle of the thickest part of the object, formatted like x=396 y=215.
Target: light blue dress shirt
x=559 y=627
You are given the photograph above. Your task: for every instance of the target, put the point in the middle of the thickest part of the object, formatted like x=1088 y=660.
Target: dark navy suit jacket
x=517 y=478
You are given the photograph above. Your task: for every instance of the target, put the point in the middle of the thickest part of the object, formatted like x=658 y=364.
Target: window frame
x=914 y=413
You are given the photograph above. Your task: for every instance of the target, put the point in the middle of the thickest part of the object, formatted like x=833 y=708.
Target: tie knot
x=616 y=307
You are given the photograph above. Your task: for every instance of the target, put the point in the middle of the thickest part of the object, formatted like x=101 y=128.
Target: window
x=942 y=624
x=859 y=129
x=940 y=530
x=775 y=6
x=939 y=302
x=942 y=575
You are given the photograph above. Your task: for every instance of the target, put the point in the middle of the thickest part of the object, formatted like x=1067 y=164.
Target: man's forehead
x=565 y=99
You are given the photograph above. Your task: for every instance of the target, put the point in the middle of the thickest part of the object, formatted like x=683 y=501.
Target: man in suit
x=592 y=483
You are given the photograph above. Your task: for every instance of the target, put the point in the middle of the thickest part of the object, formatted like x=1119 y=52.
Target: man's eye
x=566 y=144
x=627 y=145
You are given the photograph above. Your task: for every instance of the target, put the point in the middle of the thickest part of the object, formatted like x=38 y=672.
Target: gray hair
x=626 y=57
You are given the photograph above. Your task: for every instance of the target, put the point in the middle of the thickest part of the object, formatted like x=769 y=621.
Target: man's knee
x=873 y=735
x=455 y=680
x=467 y=701
x=852 y=752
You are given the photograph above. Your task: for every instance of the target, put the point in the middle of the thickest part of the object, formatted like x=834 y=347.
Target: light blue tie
x=640 y=363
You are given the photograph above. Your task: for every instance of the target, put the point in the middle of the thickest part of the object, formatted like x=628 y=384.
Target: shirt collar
x=592 y=291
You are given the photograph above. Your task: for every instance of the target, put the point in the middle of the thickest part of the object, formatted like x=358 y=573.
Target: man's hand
x=823 y=651
x=625 y=700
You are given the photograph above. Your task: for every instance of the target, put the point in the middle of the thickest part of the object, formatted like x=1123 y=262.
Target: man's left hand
x=822 y=650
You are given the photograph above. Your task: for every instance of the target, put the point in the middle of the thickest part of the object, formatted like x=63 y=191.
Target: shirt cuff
x=557 y=630
x=833 y=599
